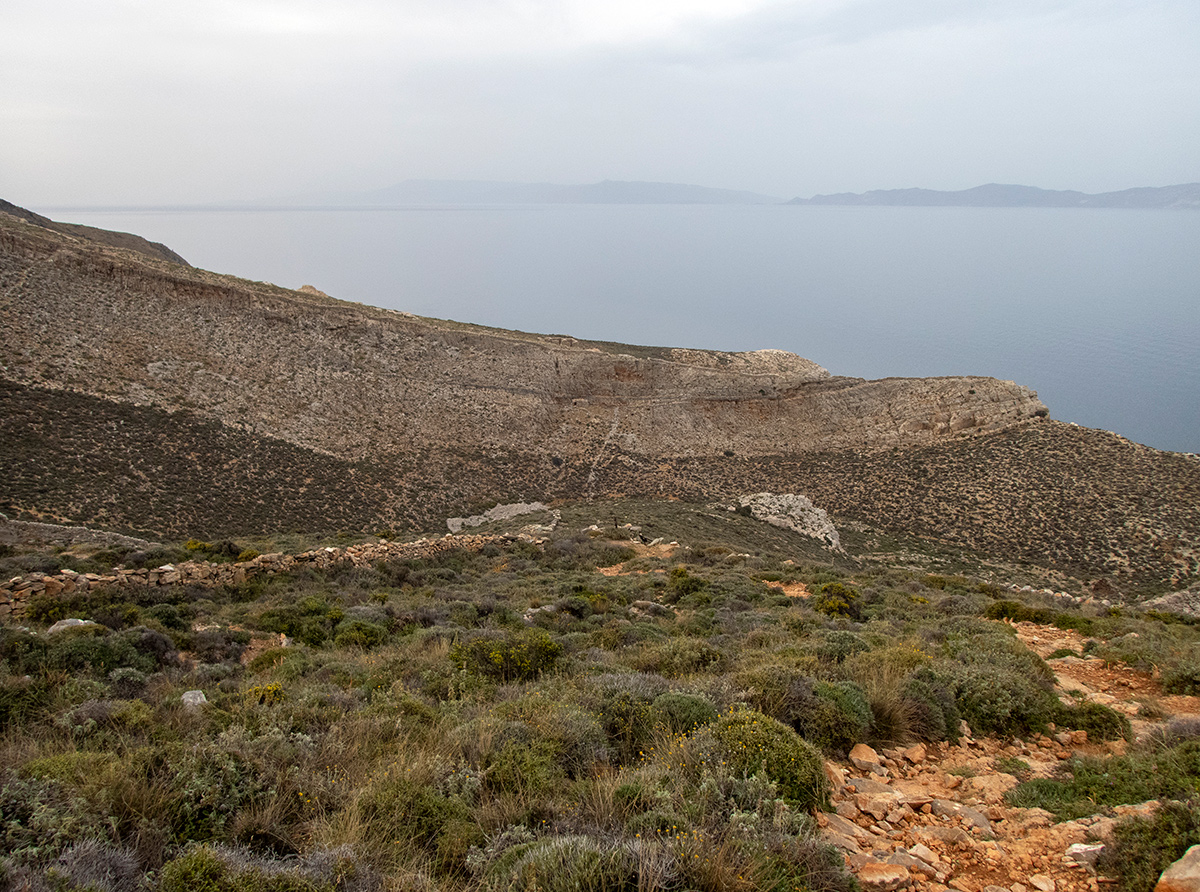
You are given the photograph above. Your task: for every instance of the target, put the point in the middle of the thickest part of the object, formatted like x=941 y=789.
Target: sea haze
x=1095 y=309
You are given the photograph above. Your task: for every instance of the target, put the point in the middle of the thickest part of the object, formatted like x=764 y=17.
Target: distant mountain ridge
x=996 y=195
x=420 y=192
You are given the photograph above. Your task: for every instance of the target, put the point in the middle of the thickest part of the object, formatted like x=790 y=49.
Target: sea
x=1098 y=310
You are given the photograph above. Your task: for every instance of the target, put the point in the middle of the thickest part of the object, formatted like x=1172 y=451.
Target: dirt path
x=933 y=817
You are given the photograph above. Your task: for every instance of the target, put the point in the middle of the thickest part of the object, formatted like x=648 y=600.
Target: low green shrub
x=1101 y=722
x=682 y=713
x=1088 y=784
x=750 y=742
x=566 y=864
x=1142 y=848
x=359 y=633
x=837 y=600
x=508 y=655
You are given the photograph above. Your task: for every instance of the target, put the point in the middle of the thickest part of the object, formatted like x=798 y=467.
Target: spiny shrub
x=682 y=713
x=678 y=657
x=402 y=811
x=507 y=655
x=839 y=644
x=206 y=869
x=358 y=633
x=311 y=621
x=751 y=742
x=837 y=600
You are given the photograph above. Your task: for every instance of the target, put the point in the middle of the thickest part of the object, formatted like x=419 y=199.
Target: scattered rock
x=194 y=699
x=1043 y=883
x=879 y=877
x=866 y=759
x=1183 y=875
x=915 y=754
x=1082 y=853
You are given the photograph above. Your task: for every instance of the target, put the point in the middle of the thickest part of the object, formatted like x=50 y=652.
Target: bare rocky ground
x=933 y=817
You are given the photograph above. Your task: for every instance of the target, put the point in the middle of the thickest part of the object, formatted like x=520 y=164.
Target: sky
x=150 y=102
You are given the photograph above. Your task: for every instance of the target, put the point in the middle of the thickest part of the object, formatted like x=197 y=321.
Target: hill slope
x=178 y=401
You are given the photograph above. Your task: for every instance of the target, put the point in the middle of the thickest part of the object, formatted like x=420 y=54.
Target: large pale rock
x=194 y=699
x=1183 y=875
x=63 y=624
x=1082 y=853
x=1043 y=883
x=793 y=512
x=947 y=807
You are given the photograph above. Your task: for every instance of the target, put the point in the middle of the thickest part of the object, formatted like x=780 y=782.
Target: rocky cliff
x=148 y=395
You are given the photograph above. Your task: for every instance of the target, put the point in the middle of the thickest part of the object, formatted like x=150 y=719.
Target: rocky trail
x=933 y=817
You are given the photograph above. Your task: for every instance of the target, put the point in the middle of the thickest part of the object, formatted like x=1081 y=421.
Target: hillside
x=996 y=195
x=181 y=402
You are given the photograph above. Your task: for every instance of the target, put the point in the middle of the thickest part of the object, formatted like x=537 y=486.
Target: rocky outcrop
x=793 y=512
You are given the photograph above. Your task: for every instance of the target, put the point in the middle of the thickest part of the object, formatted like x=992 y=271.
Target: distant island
x=996 y=195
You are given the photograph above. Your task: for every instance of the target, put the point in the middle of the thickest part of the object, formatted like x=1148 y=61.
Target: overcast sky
x=165 y=101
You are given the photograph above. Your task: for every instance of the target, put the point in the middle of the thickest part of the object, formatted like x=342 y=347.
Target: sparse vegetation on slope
x=501 y=720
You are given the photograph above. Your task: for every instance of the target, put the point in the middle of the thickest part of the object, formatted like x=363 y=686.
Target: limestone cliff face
x=355 y=381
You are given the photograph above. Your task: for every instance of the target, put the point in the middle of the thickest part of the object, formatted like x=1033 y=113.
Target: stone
x=194 y=699
x=866 y=759
x=925 y=853
x=793 y=512
x=879 y=877
x=990 y=787
x=1043 y=883
x=946 y=807
x=1183 y=875
x=877 y=806
x=1082 y=853
x=916 y=754
x=955 y=835
x=64 y=624
x=847 y=809
x=841 y=826
x=904 y=859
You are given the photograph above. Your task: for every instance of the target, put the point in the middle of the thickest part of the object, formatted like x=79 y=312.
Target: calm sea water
x=1097 y=310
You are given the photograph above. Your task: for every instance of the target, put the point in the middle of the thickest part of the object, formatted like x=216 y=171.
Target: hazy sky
x=146 y=101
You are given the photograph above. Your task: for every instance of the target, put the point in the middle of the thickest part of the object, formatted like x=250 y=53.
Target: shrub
x=933 y=707
x=682 y=713
x=837 y=645
x=751 y=742
x=100 y=867
x=1101 y=722
x=508 y=655
x=1142 y=848
x=837 y=600
x=403 y=811
x=358 y=633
